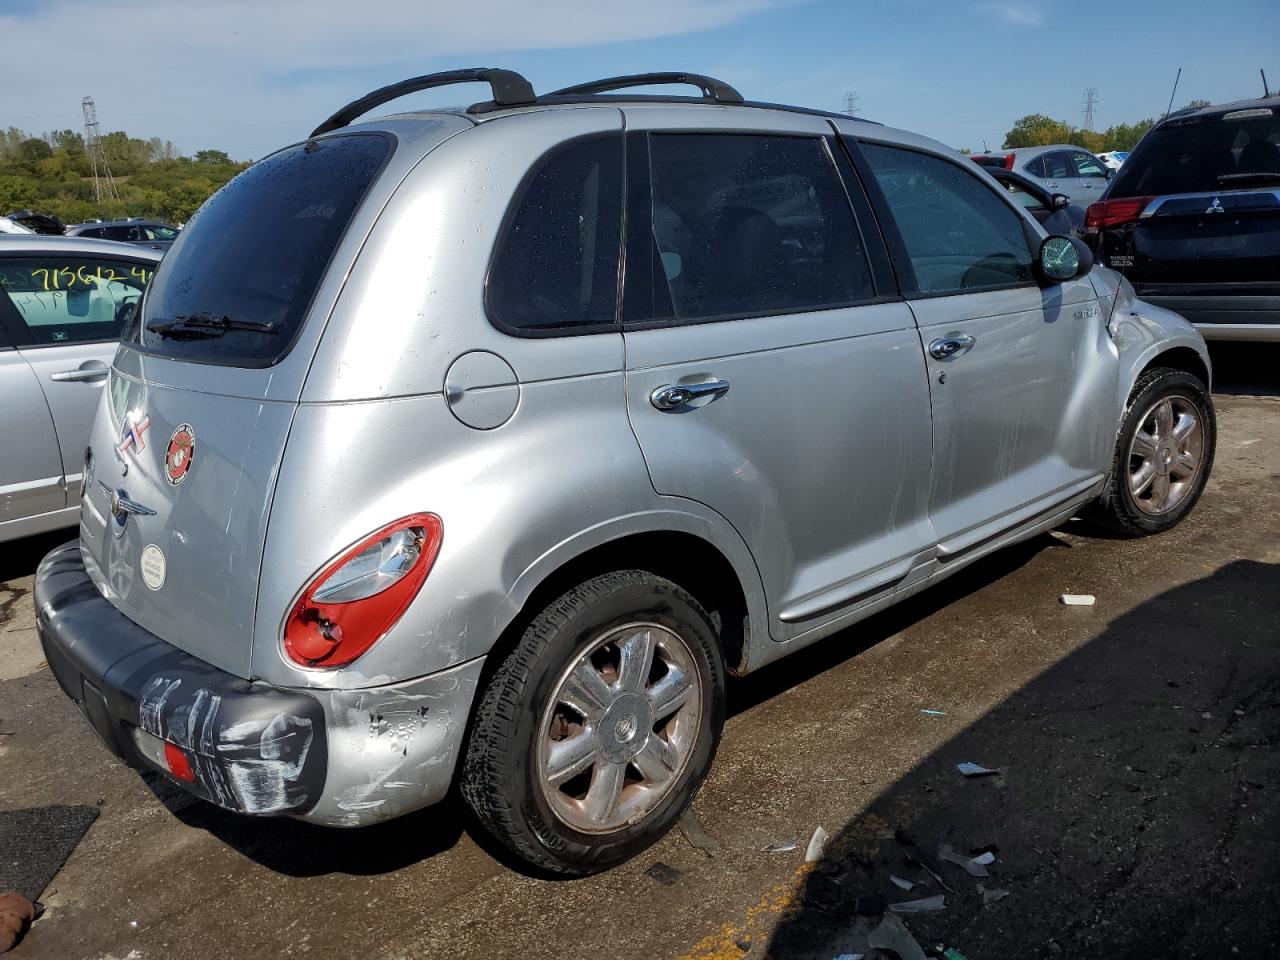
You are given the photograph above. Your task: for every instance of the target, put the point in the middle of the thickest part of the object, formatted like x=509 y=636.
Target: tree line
x=51 y=173
x=1037 y=130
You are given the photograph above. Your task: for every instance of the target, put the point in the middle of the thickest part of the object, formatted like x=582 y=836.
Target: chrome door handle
x=1054 y=185
x=944 y=348
x=75 y=376
x=670 y=397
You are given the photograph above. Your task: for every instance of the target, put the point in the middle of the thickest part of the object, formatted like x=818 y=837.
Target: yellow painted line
x=782 y=900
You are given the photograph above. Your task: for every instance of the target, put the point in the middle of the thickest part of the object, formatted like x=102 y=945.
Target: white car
x=1113 y=159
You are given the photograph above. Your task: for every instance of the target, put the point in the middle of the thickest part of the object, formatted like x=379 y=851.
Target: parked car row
x=373 y=503
x=150 y=233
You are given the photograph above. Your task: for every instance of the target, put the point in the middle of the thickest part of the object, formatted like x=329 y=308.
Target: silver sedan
x=65 y=301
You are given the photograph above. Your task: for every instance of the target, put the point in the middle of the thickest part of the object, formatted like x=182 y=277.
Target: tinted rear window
x=1204 y=155
x=256 y=252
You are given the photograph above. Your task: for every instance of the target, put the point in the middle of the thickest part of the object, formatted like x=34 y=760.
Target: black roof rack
x=510 y=89
x=712 y=89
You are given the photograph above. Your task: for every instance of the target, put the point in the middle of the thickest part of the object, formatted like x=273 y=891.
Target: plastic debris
x=975 y=770
x=900 y=883
x=664 y=874
x=970 y=864
x=951 y=953
x=986 y=858
x=817 y=843
x=927 y=905
x=934 y=713
x=1078 y=599
x=916 y=856
x=848 y=956
x=892 y=934
x=992 y=895
x=691 y=827
x=785 y=847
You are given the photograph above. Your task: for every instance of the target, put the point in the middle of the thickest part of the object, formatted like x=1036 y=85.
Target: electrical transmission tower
x=97 y=155
x=851 y=103
x=1089 y=102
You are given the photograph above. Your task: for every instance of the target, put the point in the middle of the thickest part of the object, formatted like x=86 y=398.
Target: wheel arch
x=1178 y=358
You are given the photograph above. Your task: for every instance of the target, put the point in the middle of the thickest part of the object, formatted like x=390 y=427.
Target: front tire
x=595 y=733
x=1163 y=454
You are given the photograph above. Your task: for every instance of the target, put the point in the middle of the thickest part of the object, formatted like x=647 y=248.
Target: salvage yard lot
x=1135 y=812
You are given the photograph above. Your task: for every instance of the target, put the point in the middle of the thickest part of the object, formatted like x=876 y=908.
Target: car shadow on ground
x=1133 y=814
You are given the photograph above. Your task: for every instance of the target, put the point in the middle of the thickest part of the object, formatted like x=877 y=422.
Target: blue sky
x=247 y=76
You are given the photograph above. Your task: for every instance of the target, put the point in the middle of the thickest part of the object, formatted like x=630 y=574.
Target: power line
x=851 y=103
x=97 y=155
x=1089 y=102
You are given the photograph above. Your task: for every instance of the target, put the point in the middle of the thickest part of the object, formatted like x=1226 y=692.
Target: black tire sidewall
x=652 y=600
x=1168 y=383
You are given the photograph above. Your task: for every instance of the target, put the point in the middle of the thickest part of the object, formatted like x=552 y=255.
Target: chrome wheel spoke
x=1163 y=417
x=657 y=761
x=586 y=691
x=1140 y=480
x=669 y=694
x=1184 y=427
x=606 y=788
x=1144 y=446
x=568 y=758
x=1160 y=491
x=635 y=661
x=1187 y=463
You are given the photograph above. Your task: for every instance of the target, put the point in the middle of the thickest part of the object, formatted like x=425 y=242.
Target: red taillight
x=1008 y=161
x=1113 y=213
x=178 y=763
x=358 y=597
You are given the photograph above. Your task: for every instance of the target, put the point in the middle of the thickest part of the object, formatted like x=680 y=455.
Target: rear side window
x=751 y=225
x=1231 y=152
x=68 y=299
x=254 y=255
x=959 y=234
x=1036 y=168
x=555 y=269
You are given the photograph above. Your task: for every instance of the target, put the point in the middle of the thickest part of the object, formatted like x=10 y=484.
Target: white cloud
x=1024 y=13
x=202 y=69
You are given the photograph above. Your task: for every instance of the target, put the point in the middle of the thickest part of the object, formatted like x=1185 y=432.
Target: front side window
x=556 y=265
x=237 y=285
x=67 y=299
x=751 y=225
x=960 y=236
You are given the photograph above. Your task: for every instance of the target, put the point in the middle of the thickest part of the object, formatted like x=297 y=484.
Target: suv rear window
x=1235 y=151
x=255 y=254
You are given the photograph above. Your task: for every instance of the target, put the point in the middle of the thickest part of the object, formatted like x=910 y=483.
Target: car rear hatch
x=186 y=448
x=1196 y=209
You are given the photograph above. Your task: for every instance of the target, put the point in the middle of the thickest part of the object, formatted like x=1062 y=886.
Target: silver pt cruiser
x=482 y=445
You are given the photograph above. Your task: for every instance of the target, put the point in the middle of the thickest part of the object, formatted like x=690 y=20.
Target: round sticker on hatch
x=182 y=450
x=153 y=566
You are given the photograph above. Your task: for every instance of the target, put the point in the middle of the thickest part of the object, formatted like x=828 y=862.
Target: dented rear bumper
x=338 y=757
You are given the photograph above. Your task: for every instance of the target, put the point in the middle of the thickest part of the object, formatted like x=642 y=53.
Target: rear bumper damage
x=338 y=757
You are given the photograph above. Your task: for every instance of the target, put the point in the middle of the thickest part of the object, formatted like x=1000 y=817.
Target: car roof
x=13 y=244
x=1213 y=111
x=1031 y=151
x=129 y=222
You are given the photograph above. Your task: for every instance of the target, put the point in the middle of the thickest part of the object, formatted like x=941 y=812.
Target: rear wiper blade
x=1260 y=177
x=207 y=325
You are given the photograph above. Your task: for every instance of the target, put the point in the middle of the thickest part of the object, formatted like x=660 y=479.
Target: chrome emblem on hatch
x=1215 y=207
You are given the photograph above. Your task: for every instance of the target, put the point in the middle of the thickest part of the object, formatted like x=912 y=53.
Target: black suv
x=1193 y=218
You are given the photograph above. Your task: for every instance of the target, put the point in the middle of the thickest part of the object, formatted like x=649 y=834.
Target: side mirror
x=1059 y=201
x=1063 y=258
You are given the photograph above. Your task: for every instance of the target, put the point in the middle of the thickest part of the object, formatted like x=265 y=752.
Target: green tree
x=1196 y=105
x=1037 y=130
x=211 y=156
x=33 y=148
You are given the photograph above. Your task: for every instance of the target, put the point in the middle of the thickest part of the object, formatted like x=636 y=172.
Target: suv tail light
x=1008 y=161
x=1113 y=213
x=358 y=597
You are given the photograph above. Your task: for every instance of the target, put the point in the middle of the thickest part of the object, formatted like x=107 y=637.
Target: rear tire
x=1163 y=454
x=596 y=731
